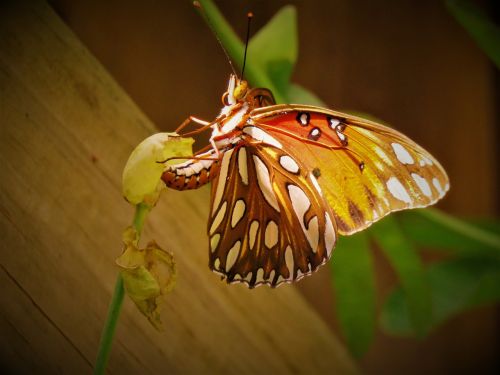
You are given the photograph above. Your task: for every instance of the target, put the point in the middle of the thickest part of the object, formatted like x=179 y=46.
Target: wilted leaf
x=148 y=275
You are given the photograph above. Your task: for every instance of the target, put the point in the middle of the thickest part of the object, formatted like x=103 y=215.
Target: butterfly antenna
x=198 y=6
x=249 y=15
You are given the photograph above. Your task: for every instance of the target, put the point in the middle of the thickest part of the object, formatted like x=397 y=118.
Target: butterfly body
x=287 y=178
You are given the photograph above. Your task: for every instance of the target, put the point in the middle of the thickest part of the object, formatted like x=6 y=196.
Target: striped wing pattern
x=290 y=177
x=366 y=170
x=269 y=222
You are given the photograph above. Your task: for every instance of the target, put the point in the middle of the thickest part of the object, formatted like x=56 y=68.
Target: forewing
x=365 y=169
x=269 y=222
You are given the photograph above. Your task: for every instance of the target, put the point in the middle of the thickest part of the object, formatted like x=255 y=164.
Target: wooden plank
x=66 y=131
x=396 y=61
x=26 y=329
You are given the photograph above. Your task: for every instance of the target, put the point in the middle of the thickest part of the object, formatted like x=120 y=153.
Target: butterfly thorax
x=227 y=131
x=239 y=101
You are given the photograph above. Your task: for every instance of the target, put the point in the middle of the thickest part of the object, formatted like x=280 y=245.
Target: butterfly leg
x=225 y=138
x=189 y=120
x=214 y=147
x=205 y=125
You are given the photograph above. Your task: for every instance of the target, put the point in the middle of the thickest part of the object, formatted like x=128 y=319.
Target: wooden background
x=67 y=128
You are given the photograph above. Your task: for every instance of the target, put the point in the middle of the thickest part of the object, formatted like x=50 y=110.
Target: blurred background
x=408 y=63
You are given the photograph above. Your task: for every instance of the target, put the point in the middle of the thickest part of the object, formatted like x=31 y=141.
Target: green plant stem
x=108 y=331
x=115 y=306
x=234 y=47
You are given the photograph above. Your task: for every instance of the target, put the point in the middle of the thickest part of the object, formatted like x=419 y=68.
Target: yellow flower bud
x=141 y=177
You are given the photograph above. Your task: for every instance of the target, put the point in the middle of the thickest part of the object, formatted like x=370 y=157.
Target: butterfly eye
x=240 y=90
x=225 y=99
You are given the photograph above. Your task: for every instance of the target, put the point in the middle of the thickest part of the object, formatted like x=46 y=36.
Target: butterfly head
x=236 y=91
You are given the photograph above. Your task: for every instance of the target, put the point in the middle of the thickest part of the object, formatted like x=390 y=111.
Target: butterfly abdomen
x=191 y=174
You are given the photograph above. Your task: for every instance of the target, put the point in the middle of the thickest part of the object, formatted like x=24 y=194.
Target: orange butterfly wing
x=269 y=222
x=365 y=170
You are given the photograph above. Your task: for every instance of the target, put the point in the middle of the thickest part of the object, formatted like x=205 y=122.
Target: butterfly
x=288 y=179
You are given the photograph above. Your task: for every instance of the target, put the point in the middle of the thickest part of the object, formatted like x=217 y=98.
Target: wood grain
x=66 y=131
x=406 y=62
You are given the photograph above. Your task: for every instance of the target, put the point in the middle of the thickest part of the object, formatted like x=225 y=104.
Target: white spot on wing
x=329 y=235
x=289 y=164
x=232 y=255
x=260 y=275
x=304 y=118
x=341 y=136
x=261 y=135
x=221 y=182
x=242 y=165
x=437 y=185
x=422 y=184
x=271 y=276
x=216 y=264
x=313 y=233
x=238 y=212
x=398 y=190
x=218 y=218
x=271 y=236
x=315 y=183
x=315 y=132
x=214 y=242
x=301 y=204
x=252 y=233
x=265 y=183
x=382 y=155
x=333 y=122
x=402 y=154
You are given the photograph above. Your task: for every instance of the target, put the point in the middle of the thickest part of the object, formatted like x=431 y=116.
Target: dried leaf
x=148 y=275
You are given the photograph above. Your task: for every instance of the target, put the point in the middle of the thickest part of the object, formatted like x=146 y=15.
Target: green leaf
x=234 y=47
x=408 y=266
x=354 y=285
x=479 y=26
x=274 y=48
x=488 y=224
x=435 y=229
x=456 y=286
x=297 y=94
